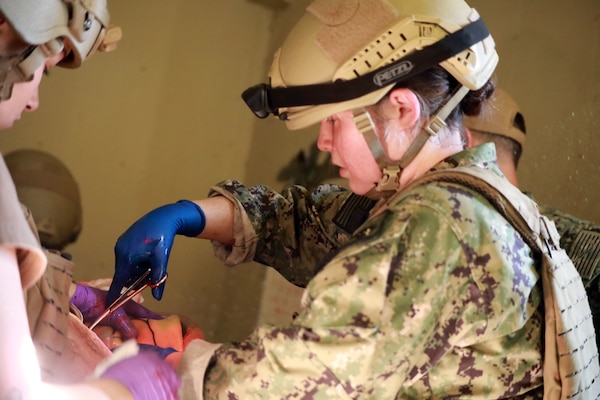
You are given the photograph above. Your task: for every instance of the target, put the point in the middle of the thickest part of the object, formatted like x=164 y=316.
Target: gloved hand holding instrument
x=91 y=302
x=147 y=244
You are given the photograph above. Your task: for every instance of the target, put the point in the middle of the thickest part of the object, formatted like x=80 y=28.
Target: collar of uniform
x=483 y=155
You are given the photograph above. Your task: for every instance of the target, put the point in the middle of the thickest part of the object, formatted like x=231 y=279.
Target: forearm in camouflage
x=294 y=231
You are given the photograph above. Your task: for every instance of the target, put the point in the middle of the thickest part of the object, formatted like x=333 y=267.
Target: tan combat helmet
x=50 y=26
x=46 y=186
x=343 y=58
x=346 y=55
x=501 y=116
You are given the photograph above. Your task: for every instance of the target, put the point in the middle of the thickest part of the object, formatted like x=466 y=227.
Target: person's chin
x=6 y=125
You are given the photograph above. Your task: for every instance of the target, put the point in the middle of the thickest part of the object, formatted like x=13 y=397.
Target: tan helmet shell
x=49 y=26
x=46 y=186
x=498 y=118
x=82 y=24
x=347 y=38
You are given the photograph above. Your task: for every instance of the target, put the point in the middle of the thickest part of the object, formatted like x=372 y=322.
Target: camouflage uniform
x=435 y=297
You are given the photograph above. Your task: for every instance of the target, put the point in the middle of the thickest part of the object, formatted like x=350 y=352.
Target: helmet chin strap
x=390 y=180
x=8 y=76
x=21 y=68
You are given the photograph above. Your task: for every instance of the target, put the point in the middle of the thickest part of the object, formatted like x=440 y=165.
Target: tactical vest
x=66 y=349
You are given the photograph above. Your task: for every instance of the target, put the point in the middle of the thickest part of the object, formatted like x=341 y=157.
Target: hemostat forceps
x=129 y=293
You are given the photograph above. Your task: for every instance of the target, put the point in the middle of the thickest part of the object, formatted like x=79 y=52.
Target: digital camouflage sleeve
x=291 y=231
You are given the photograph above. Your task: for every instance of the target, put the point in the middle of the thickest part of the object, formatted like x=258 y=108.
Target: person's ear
x=406 y=107
x=401 y=112
x=470 y=139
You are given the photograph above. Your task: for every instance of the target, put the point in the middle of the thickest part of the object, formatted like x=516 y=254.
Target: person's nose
x=324 y=141
x=33 y=103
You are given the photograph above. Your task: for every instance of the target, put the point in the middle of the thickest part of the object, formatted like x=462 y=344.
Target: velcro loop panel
x=350 y=24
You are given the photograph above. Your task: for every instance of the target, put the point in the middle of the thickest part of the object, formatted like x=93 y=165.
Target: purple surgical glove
x=147 y=377
x=147 y=244
x=90 y=301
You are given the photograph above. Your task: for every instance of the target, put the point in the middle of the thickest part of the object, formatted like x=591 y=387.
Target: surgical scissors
x=129 y=293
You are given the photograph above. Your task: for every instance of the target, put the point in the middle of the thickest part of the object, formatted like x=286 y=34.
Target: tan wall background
x=161 y=119
x=158 y=120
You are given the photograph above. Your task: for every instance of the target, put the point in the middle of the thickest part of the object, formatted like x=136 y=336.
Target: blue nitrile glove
x=147 y=244
x=91 y=302
x=147 y=376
